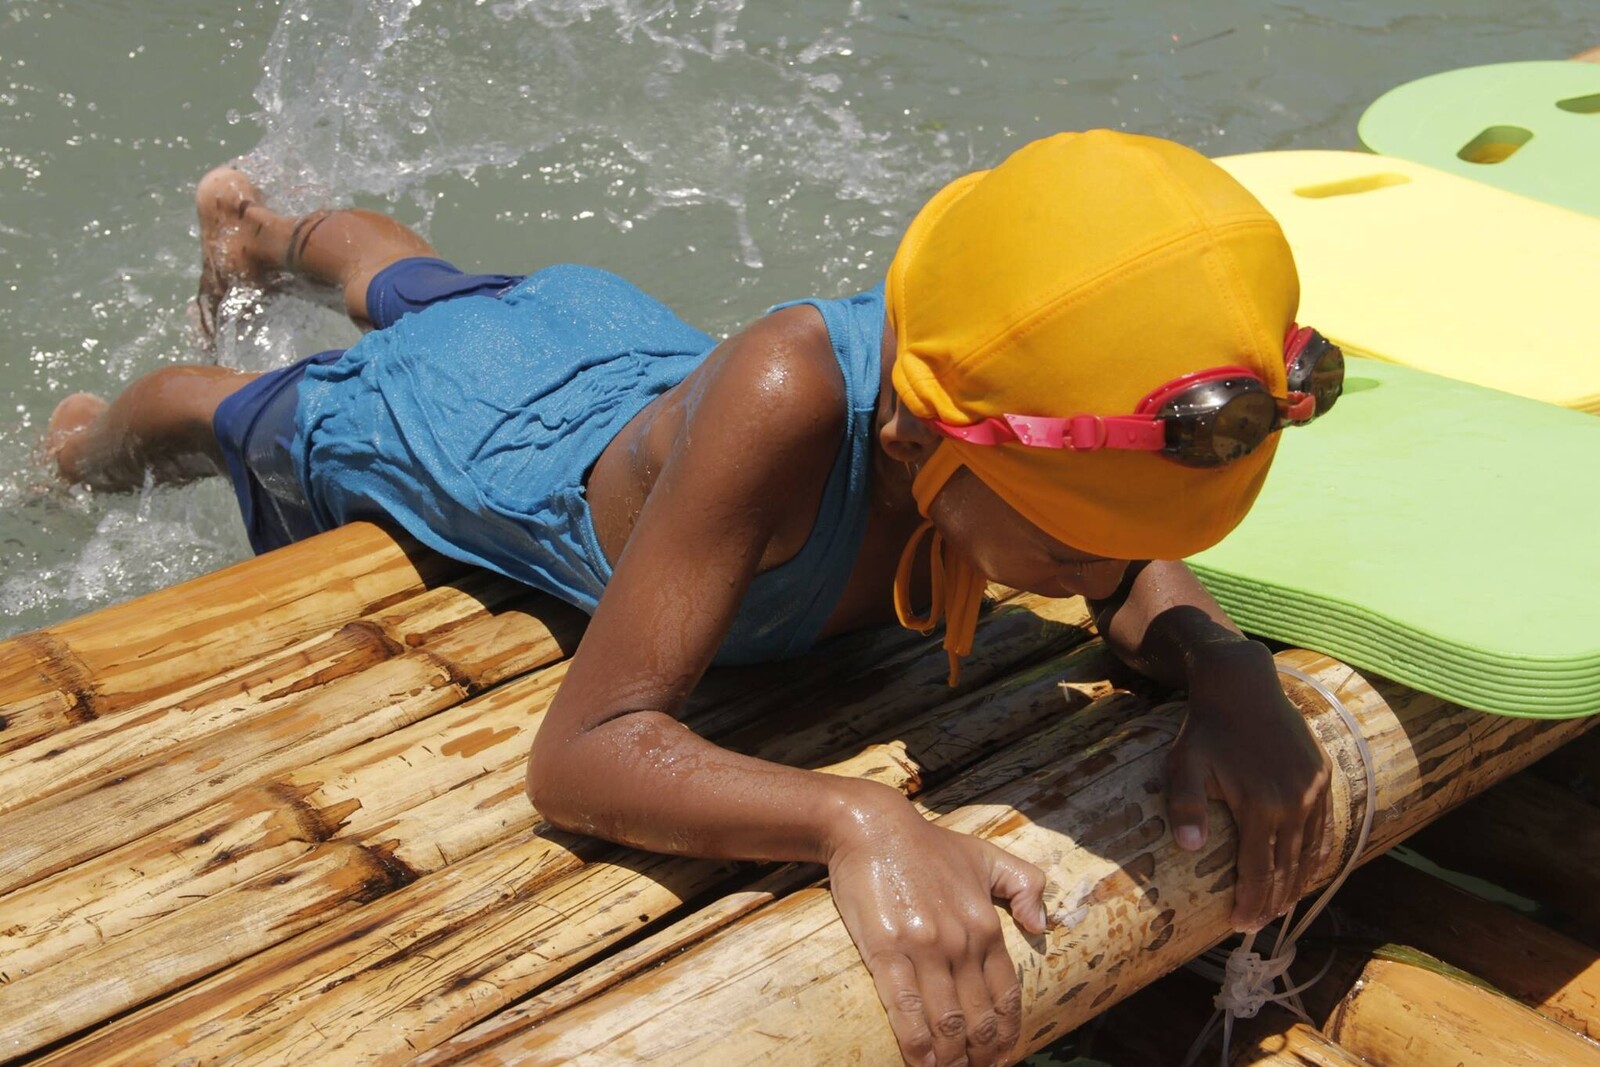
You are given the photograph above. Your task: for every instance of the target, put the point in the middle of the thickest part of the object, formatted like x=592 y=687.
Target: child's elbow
x=530 y=778
x=537 y=782
x=545 y=789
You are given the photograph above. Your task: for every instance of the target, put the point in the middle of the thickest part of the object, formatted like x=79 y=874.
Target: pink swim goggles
x=1204 y=419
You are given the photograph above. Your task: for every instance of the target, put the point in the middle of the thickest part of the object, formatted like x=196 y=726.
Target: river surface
x=724 y=155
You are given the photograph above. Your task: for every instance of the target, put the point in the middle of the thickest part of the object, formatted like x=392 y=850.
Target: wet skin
x=719 y=480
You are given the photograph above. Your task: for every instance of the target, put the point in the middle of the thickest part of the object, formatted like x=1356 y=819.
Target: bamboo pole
x=436 y=790
x=606 y=973
x=1405 y=1015
x=1295 y=1045
x=1531 y=837
x=100 y=746
x=174 y=950
x=878 y=710
x=499 y=924
x=874 y=682
x=162 y=788
x=683 y=934
x=118 y=657
x=575 y=912
x=1125 y=890
x=1554 y=975
x=433 y=789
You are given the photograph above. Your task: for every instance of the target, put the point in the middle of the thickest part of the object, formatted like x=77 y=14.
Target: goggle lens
x=1318 y=370
x=1210 y=436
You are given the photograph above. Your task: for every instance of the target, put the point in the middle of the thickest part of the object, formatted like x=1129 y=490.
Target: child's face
x=1009 y=549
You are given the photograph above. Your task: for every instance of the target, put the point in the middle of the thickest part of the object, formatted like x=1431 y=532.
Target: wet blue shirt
x=474 y=423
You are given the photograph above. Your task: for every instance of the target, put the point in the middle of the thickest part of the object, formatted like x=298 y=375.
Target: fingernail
x=1044 y=919
x=1188 y=837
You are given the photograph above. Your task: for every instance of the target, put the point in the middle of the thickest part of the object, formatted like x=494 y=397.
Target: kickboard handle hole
x=1495 y=144
x=1366 y=183
x=1581 y=105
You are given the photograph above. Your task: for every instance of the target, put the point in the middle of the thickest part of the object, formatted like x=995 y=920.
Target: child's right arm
x=612 y=760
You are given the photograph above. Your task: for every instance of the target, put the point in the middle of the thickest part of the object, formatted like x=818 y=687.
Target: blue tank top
x=473 y=424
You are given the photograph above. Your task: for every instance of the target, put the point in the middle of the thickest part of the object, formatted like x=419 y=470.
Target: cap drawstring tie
x=956 y=586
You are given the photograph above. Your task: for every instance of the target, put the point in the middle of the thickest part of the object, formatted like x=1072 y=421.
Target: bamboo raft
x=276 y=814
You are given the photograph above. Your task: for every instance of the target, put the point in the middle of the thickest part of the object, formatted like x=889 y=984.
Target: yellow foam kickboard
x=1411 y=265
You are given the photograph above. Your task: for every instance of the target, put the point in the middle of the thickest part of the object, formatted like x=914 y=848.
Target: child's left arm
x=1243 y=742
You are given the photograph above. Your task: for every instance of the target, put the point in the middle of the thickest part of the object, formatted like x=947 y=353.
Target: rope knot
x=1249 y=981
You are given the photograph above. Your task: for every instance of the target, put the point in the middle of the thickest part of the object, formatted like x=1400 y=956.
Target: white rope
x=1248 y=980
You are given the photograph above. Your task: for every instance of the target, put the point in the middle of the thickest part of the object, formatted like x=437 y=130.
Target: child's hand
x=1245 y=744
x=918 y=901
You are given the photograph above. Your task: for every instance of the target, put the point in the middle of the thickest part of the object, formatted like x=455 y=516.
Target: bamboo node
x=66 y=673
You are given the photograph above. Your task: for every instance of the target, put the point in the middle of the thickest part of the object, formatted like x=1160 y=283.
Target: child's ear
x=904 y=437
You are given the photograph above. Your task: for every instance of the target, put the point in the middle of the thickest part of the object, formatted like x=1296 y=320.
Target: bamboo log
x=871 y=714
x=871 y=684
x=1533 y=838
x=1555 y=975
x=418 y=789
x=116 y=658
x=489 y=934
x=608 y=972
x=537 y=938
x=100 y=746
x=434 y=791
x=1099 y=831
x=175 y=950
x=1381 y=1019
x=246 y=835
x=164 y=787
x=1295 y=1045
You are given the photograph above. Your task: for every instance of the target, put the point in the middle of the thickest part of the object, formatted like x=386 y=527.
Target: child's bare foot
x=64 y=433
x=232 y=218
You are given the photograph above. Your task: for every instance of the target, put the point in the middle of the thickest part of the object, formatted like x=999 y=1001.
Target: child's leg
x=160 y=424
x=243 y=240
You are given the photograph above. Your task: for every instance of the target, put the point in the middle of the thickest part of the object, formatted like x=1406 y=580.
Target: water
x=724 y=156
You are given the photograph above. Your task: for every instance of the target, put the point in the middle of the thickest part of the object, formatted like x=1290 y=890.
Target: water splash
x=382 y=97
x=160 y=537
x=698 y=128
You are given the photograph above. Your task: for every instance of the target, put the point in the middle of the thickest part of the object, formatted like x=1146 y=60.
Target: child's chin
x=1094 y=587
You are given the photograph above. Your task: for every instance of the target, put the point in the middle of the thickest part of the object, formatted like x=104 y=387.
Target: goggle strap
x=1298 y=408
x=1295 y=341
x=1079 y=433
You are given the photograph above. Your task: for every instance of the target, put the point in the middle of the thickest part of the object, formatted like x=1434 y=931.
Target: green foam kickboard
x=1532 y=128
x=1428 y=673
x=1436 y=532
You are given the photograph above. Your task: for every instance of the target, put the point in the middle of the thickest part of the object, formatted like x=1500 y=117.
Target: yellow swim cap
x=1083 y=272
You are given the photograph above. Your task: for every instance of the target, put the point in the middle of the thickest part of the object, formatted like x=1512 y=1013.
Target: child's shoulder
x=783 y=365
